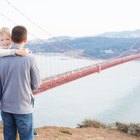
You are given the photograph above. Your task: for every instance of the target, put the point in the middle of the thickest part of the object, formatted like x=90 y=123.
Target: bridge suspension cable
x=130 y=48
x=55 y=38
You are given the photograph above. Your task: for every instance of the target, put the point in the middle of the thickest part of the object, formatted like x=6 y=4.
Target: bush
x=132 y=128
x=91 y=123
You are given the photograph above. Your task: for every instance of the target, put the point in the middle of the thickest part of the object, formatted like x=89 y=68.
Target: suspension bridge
x=60 y=79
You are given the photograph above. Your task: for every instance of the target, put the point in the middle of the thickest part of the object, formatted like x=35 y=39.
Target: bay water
x=109 y=96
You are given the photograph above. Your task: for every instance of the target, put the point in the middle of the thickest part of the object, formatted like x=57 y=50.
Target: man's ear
x=25 y=40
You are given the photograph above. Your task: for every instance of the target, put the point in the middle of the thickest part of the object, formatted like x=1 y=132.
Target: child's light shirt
x=7 y=52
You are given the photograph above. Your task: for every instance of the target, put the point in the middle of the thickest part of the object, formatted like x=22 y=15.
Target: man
x=19 y=77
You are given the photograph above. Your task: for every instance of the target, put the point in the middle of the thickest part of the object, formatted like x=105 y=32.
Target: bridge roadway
x=60 y=79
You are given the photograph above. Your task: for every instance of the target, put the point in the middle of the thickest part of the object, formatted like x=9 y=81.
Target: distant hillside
x=123 y=34
x=106 y=45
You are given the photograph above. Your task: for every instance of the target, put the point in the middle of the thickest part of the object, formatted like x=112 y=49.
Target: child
x=5 y=42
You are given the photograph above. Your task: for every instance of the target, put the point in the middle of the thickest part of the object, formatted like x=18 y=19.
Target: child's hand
x=22 y=52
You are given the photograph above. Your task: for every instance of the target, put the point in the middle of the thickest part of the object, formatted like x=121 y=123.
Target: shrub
x=132 y=128
x=91 y=123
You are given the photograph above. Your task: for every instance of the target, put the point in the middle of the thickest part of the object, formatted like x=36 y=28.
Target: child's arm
x=22 y=52
x=8 y=52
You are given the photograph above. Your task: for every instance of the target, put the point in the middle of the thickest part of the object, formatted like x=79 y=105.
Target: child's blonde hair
x=5 y=30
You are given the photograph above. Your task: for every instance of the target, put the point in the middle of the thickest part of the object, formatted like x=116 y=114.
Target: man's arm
x=35 y=76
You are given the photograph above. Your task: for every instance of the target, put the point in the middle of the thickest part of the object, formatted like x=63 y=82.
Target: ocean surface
x=109 y=96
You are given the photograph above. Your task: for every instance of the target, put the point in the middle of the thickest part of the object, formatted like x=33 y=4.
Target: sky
x=76 y=18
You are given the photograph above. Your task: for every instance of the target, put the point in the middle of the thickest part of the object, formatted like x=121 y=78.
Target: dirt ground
x=61 y=133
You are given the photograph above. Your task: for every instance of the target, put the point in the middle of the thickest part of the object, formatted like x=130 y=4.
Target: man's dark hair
x=19 y=34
